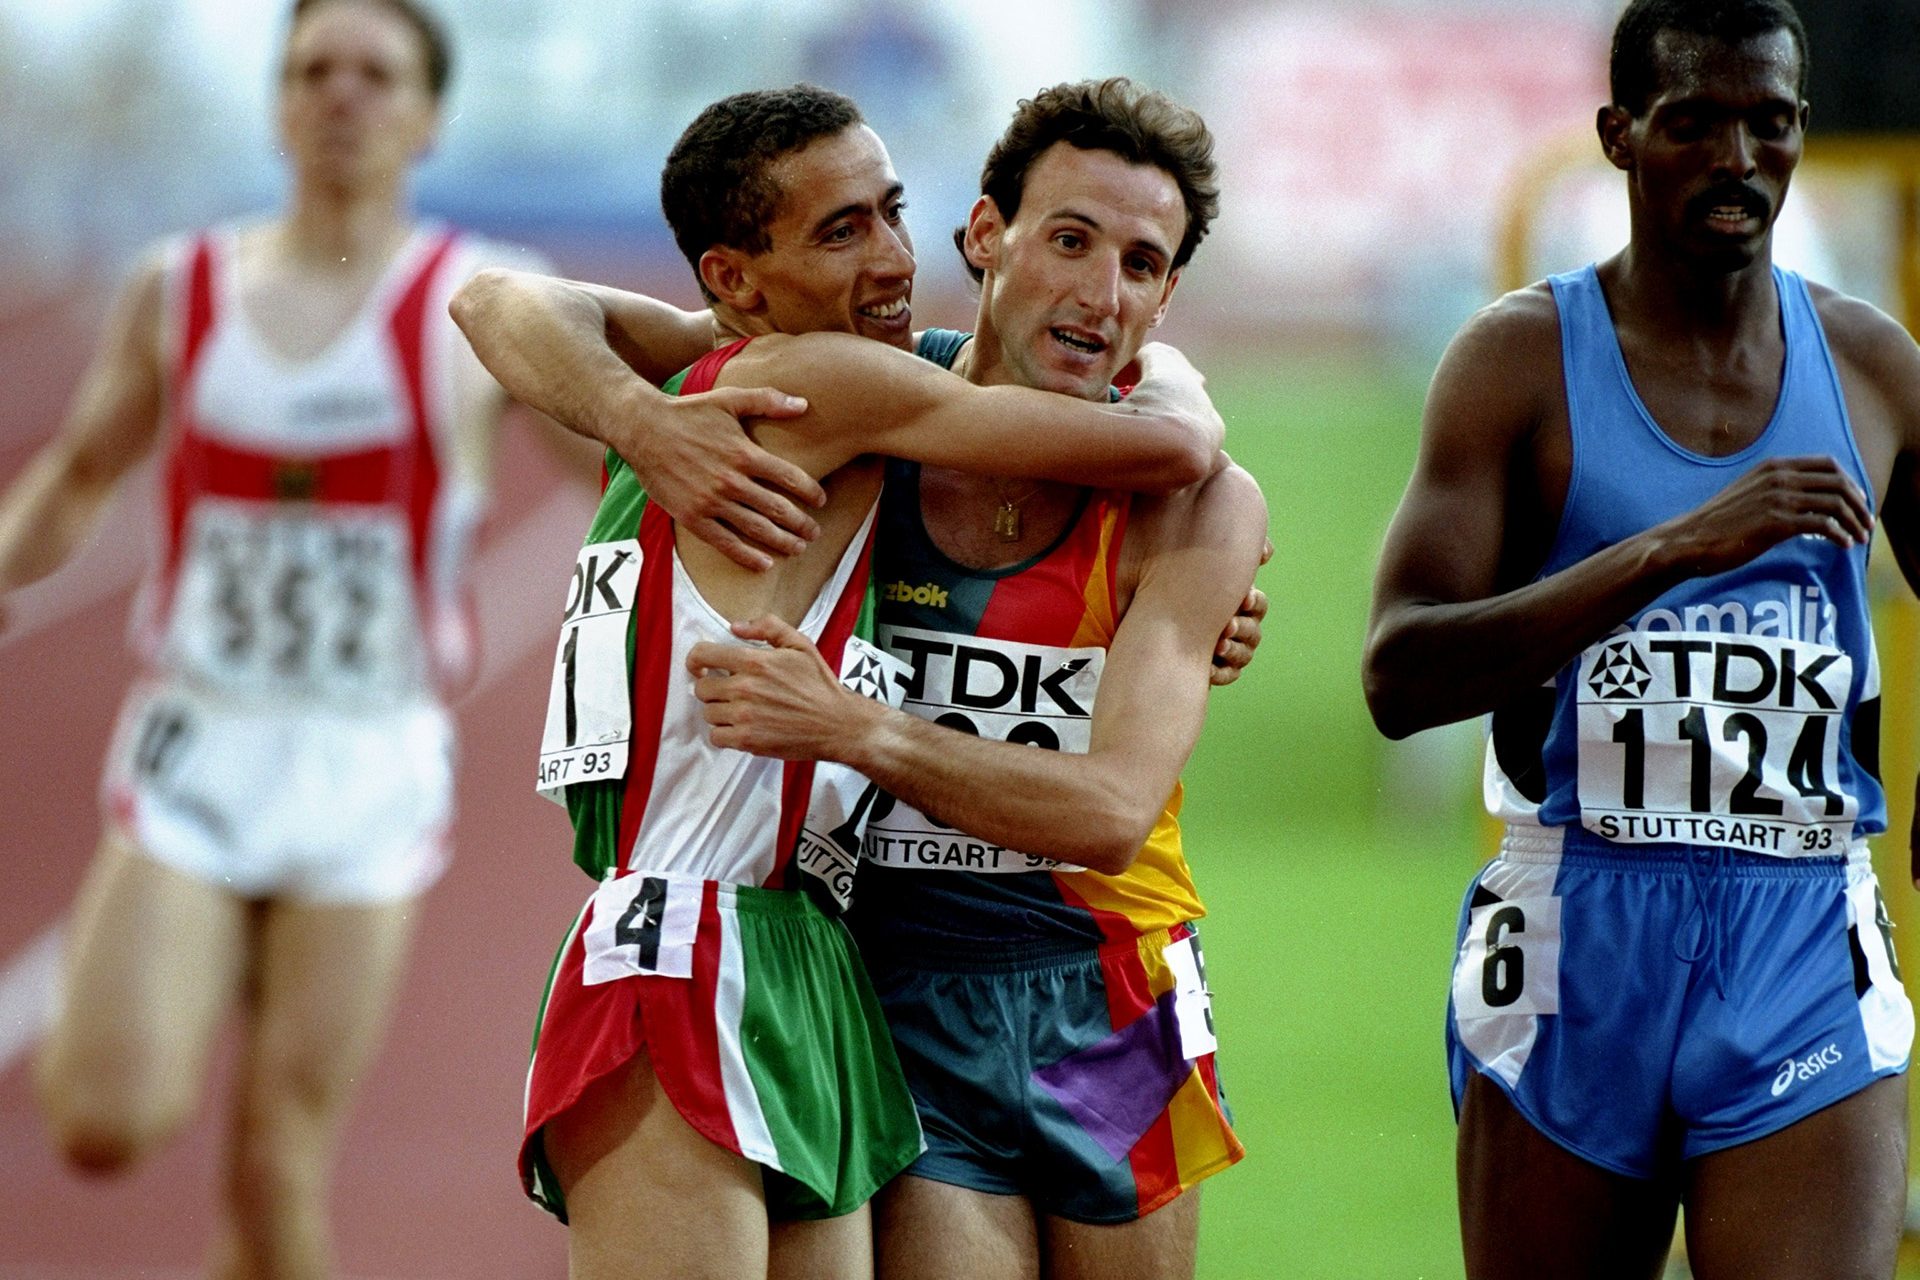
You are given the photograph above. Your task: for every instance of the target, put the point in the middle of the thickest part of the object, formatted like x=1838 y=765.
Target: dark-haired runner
x=1052 y=1018
x=1637 y=535
x=709 y=1044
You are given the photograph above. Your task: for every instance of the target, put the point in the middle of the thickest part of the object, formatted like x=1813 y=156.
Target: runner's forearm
x=1430 y=664
x=545 y=341
x=49 y=512
x=1071 y=807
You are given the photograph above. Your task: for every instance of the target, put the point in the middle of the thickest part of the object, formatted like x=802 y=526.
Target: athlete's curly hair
x=717 y=188
x=435 y=51
x=1634 y=70
x=1136 y=124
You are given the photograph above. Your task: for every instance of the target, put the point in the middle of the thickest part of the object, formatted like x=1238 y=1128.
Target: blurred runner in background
x=281 y=781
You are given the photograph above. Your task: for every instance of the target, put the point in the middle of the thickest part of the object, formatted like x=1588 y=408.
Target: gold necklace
x=1006 y=519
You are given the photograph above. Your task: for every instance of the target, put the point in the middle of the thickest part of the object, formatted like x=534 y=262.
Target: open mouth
x=1081 y=343
x=885 y=312
x=1735 y=212
x=1723 y=217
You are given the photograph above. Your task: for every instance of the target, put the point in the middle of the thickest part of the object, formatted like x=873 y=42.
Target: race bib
x=1192 y=1002
x=842 y=799
x=1509 y=961
x=1705 y=737
x=644 y=922
x=273 y=600
x=1000 y=689
x=590 y=702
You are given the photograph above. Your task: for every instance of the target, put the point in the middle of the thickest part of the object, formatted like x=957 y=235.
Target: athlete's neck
x=326 y=227
x=1692 y=301
x=967 y=515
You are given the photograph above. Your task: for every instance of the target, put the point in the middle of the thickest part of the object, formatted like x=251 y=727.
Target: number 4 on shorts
x=642 y=923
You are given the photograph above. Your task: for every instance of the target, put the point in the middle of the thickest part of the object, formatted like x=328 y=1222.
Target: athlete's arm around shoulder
x=111 y=424
x=592 y=357
x=1459 y=626
x=481 y=405
x=1094 y=809
x=865 y=397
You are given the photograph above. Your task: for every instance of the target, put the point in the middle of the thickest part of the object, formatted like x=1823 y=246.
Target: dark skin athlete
x=1460 y=628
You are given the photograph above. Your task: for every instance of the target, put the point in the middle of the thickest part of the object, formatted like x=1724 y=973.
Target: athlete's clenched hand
x=1235 y=647
x=775 y=698
x=695 y=460
x=1780 y=498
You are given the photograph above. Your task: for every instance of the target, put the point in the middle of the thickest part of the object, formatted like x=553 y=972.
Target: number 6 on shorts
x=1509 y=960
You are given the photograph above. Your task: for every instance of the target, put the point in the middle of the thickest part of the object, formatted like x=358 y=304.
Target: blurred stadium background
x=1371 y=151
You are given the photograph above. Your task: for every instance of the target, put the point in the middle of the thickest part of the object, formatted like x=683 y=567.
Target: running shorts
x=1646 y=1008
x=303 y=802
x=1083 y=1080
x=758 y=1020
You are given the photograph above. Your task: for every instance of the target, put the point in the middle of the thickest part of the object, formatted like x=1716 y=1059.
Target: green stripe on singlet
x=595 y=806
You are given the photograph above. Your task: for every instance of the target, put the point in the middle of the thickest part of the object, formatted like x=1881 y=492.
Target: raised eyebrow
x=1093 y=224
x=894 y=193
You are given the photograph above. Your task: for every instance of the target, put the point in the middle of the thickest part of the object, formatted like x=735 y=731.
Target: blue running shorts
x=1676 y=1000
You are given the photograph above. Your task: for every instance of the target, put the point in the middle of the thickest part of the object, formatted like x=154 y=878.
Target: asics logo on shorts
x=1805 y=1068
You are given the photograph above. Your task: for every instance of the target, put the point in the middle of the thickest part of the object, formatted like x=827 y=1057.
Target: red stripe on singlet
x=650 y=661
x=1045 y=602
x=702 y=372
x=364 y=478
x=796 y=781
x=408 y=327
x=196 y=324
x=652 y=655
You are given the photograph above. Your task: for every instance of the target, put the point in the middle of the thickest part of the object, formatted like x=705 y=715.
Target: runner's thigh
x=822 y=1248
x=1531 y=1208
x=1163 y=1245
x=326 y=978
x=154 y=959
x=1826 y=1196
x=647 y=1195
x=931 y=1230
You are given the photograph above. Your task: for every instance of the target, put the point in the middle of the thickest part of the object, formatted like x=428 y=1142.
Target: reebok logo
x=907 y=593
x=1805 y=1068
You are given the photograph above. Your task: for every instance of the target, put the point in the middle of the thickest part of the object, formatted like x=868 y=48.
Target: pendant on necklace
x=1006 y=522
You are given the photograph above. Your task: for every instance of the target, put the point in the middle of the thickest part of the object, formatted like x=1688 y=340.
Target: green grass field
x=1332 y=930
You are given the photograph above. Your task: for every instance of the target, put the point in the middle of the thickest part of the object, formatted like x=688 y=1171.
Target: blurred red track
x=426 y=1187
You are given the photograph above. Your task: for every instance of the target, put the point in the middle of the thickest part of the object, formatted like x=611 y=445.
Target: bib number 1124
x=1704 y=737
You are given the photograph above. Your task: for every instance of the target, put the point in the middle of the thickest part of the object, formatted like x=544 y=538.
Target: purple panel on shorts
x=1117 y=1088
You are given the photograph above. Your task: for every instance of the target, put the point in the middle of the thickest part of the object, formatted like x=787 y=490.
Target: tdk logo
x=1805 y=1068
x=906 y=593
